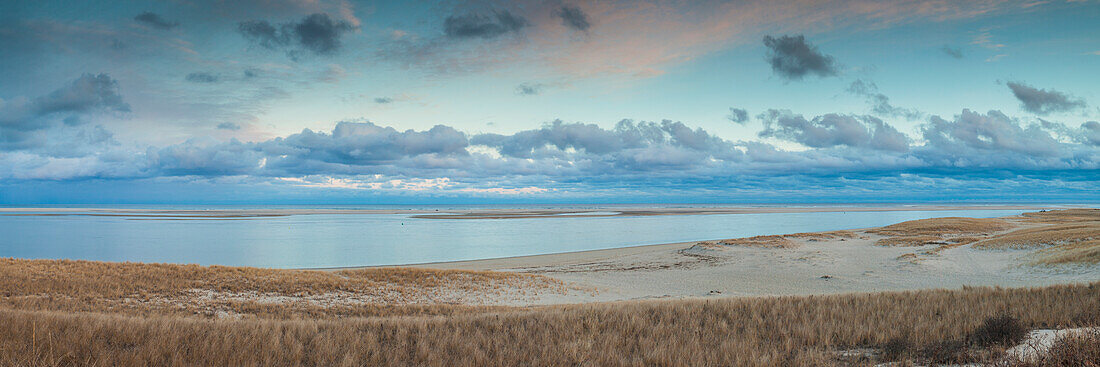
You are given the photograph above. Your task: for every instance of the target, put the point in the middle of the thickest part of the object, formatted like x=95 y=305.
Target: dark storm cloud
x=229 y=126
x=529 y=89
x=738 y=115
x=832 y=130
x=481 y=26
x=954 y=52
x=1044 y=101
x=155 y=21
x=792 y=58
x=316 y=33
x=201 y=77
x=880 y=103
x=573 y=17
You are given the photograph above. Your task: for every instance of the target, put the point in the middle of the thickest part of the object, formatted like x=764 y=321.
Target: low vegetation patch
x=783 y=241
x=1086 y=252
x=169 y=289
x=761 y=241
x=1053 y=235
x=1064 y=216
x=944 y=226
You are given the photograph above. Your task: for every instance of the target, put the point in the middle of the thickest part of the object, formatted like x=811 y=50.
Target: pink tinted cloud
x=646 y=38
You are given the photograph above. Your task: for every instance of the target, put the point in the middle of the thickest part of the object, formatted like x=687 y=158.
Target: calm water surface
x=323 y=240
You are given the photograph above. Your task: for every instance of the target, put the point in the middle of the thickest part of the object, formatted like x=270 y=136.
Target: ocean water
x=335 y=240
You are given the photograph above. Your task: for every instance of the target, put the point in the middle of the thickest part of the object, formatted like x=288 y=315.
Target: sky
x=329 y=102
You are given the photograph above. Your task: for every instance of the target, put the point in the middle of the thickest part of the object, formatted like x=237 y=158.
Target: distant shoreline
x=596 y=211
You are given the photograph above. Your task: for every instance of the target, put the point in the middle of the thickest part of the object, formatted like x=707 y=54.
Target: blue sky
x=294 y=101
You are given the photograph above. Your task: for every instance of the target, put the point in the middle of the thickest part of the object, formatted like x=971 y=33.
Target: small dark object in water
x=826 y=277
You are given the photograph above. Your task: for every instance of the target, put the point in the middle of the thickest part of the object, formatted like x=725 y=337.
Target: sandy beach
x=799 y=264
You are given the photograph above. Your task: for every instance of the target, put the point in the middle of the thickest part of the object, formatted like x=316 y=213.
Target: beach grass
x=183 y=290
x=769 y=331
x=944 y=226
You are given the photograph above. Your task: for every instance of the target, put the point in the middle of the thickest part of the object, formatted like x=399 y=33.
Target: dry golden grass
x=782 y=241
x=776 y=331
x=909 y=241
x=1052 y=235
x=1066 y=236
x=821 y=236
x=761 y=241
x=944 y=226
x=1085 y=252
x=1064 y=216
x=1074 y=350
x=142 y=289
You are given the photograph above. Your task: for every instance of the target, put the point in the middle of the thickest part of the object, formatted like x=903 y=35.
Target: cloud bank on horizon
x=579 y=101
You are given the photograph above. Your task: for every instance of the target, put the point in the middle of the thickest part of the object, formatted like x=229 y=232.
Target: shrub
x=896 y=349
x=1000 y=330
x=946 y=352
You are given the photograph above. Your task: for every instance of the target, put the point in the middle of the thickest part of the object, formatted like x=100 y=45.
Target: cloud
x=155 y=21
x=205 y=157
x=628 y=147
x=972 y=135
x=361 y=144
x=87 y=93
x=321 y=34
x=738 y=115
x=316 y=33
x=792 y=58
x=229 y=126
x=383 y=100
x=573 y=17
x=1091 y=130
x=57 y=124
x=1043 y=101
x=202 y=77
x=530 y=89
x=643 y=41
x=954 y=52
x=481 y=26
x=832 y=130
x=261 y=32
x=880 y=103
